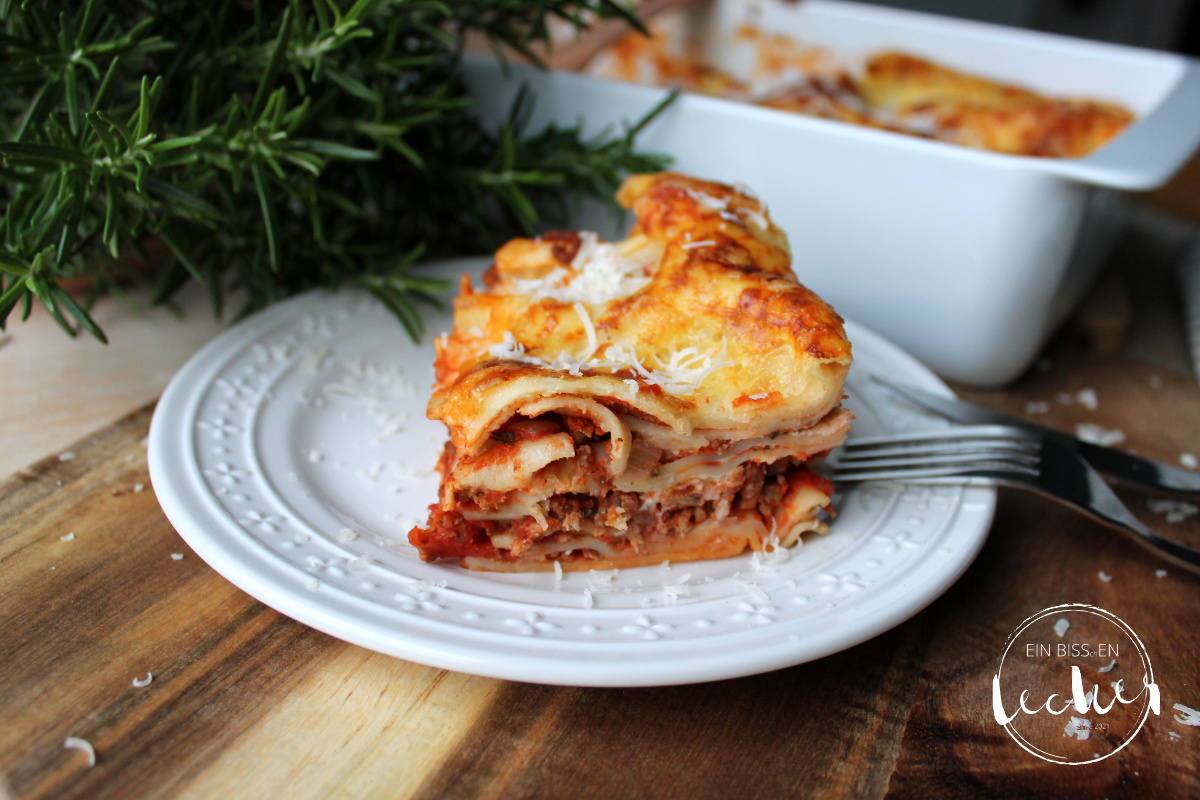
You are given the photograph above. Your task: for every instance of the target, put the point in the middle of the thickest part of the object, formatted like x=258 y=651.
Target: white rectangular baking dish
x=968 y=259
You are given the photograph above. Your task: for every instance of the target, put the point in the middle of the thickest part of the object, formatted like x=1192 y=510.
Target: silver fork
x=998 y=454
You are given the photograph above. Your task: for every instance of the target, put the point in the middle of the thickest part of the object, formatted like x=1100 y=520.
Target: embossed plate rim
x=536 y=641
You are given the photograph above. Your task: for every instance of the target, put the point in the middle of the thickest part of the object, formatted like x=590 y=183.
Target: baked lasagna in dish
x=623 y=403
x=891 y=90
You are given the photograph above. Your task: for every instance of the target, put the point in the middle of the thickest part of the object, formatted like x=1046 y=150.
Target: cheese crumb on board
x=1079 y=728
x=75 y=743
x=1096 y=434
x=1187 y=716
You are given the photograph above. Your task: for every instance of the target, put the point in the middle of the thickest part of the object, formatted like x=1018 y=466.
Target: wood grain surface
x=244 y=702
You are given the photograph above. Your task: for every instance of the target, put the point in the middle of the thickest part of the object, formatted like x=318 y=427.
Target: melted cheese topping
x=682 y=322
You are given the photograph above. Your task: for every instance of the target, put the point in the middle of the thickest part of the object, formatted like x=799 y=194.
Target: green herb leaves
x=266 y=148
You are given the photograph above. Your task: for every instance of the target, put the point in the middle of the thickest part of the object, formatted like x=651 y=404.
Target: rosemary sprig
x=269 y=146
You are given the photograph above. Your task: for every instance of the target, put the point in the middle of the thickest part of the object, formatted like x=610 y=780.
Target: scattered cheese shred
x=588 y=328
x=141 y=683
x=75 y=743
x=679 y=375
x=673 y=593
x=70 y=537
x=1187 y=716
x=1079 y=728
x=1061 y=626
x=601 y=274
x=1110 y=666
x=1173 y=510
x=509 y=349
x=1096 y=434
x=721 y=206
x=753 y=589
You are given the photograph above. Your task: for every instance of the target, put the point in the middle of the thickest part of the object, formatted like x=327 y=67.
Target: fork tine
x=939 y=450
x=962 y=433
x=862 y=452
x=919 y=459
x=978 y=453
x=945 y=452
x=978 y=471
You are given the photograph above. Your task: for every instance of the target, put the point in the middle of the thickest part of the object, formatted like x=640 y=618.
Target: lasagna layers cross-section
x=625 y=403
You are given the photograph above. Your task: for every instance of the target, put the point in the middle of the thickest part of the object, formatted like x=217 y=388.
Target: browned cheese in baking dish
x=892 y=90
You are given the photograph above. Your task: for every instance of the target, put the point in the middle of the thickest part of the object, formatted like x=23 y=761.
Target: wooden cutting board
x=97 y=589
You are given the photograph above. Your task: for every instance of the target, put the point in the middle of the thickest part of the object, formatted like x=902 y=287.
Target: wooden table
x=244 y=702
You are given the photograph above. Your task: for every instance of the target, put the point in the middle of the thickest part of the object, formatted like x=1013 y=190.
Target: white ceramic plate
x=293 y=455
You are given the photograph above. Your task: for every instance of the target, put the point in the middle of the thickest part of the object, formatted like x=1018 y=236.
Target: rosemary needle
x=272 y=147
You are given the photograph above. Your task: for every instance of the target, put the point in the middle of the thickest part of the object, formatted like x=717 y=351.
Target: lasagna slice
x=615 y=404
